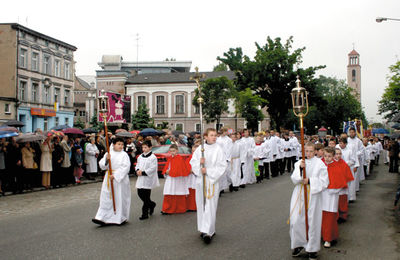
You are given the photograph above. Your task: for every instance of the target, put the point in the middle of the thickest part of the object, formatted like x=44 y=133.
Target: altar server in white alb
x=122 y=191
x=350 y=157
x=359 y=150
x=317 y=180
x=248 y=145
x=226 y=144
x=214 y=167
x=238 y=158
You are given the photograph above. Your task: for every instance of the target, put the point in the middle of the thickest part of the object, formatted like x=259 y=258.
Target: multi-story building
x=354 y=73
x=39 y=70
x=84 y=99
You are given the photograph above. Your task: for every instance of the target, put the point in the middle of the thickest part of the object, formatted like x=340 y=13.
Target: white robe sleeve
x=195 y=162
x=296 y=177
x=319 y=180
x=102 y=162
x=123 y=167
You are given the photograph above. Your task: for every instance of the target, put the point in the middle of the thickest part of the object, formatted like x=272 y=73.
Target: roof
x=17 y=26
x=353 y=52
x=178 y=77
x=83 y=83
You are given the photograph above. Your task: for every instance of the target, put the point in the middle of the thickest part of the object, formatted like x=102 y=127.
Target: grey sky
x=201 y=30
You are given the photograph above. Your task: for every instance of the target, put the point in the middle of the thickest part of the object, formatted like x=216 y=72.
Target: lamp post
x=300 y=110
x=103 y=109
x=381 y=19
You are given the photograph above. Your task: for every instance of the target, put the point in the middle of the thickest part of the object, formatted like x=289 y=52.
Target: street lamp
x=381 y=19
x=300 y=109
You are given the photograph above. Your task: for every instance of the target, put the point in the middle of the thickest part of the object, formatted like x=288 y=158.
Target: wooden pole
x=109 y=164
x=304 y=173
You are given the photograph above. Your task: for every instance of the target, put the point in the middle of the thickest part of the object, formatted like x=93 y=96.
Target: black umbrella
x=194 y=133
x=90 y=130
x=177 y=132
x=395 y=135
x=124 y=135
x=149 y=132
x=60 y=127
x=396 y=126
x=14 y=123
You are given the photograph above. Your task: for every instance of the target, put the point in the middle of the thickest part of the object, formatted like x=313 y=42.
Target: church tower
x=354 y=73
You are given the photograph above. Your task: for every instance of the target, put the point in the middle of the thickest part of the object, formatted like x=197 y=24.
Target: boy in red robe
x=343 y=200
x=176 y=186
x=330 y=197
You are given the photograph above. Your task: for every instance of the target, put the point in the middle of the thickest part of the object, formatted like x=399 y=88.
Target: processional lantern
x=103 y=103
x=299 y=100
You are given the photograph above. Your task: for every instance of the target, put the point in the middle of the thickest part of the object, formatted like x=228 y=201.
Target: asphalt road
x=251 y=224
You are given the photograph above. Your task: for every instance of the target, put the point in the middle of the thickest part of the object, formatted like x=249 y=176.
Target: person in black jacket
x=394 y=156
x=13 y=166
x=57 y=159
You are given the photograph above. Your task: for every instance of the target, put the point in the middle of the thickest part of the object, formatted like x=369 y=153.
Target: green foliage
x=271 y=74
x=390 y=101
x=95 y=123
x=220 y=67
x=141 y=119
x=216 y=93
x=247 y=104
x=377 y=125
x=79 y=124
x=163 y=125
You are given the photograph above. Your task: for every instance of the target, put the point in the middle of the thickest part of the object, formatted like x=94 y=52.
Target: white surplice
x=215 y=163
x=226 y=144
x=148 y=164
x=238 y=156
x=122 y=190
x=317 y=172
x=350 y=157
x=248 y=145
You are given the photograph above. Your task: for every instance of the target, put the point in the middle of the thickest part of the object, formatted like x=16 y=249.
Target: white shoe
x=327 y=244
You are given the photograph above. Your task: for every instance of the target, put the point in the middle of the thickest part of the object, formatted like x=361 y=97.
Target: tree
x=220 y=67
x=216 y=93
x=164 y=125
x=271 y=74
x=390 y=101
x=79 y=124
x=95 y=123
x=247 y=104
x=141 y=119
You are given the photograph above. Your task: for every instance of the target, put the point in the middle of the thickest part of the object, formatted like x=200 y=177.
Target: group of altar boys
x=331 y=176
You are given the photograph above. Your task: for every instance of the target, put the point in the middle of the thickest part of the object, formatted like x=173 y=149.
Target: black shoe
x=312 y=256
x=242 y=186
x=164 y=213
x=297 y=251
x=341 y=220
x=236 y=188
x=231 y=188
x=144 y=217
x=202 y=235
x=207 y=239
x=123 y=223
x=151 y=210
x=98 y=222
x=351 y=201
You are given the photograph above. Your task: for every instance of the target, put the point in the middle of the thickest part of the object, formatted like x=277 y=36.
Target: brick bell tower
x=354 y=73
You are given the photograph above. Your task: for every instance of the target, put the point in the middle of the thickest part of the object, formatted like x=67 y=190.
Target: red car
x=161 y=152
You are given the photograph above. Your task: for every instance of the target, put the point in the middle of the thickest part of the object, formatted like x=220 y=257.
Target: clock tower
x=354 y=73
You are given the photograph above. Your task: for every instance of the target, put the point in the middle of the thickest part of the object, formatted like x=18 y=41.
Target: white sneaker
x=327 y=244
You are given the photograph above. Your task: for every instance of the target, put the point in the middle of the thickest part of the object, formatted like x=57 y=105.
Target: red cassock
x=191 y=198
x=338 y=179
x=343 y=201
x=177 y=168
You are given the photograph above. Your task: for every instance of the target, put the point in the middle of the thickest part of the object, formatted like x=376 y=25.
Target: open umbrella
x=134 y=132
x=8 y=128
x=194 y=133
x=90 y=130
x=54 y=133
x=124 y=135
x=60 y=127
x=29 y=137
x=395 y=135
x=379 y=131
x=120 y=131
x=4 y=134
x=177 y=132
x=149 y=132
x=395 y=126
x=14 y=123
x=73 y=131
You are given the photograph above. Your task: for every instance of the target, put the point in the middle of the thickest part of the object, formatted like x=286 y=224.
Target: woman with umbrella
x=46 y=162
x=28 y=155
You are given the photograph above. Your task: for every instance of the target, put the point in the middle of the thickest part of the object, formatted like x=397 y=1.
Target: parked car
x=161 y=152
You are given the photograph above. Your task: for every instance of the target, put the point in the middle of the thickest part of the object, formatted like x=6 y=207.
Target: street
x=251 y=224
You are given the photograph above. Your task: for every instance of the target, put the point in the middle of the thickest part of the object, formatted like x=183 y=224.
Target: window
x=35 y=88
x=179 y=126
x=57 y=121
x=46 y=65
x=7 y=108
x=57 y=68
x=66 y=121
x=45 y=124
x=22 y=58
x=159 y=125
x=196 y=109
x=66 y=97
x=160 y=104
x=22 y=90
x=353 y=75
x=66 y=71
x=56 y=95
x=46 y=95
x=35 y=61
x=197 y=128
x=141 y=100
x=82 y=113
x=179 y=104
x=219 y=126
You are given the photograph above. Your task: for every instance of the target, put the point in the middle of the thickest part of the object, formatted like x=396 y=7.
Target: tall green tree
x=141 y=119
x=79 y=124
x=216 y=93
x=95 y=123
x=390 y=101
x=271 y=74
x=248 y=106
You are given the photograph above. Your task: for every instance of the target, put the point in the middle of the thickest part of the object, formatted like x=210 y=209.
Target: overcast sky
x=200 y=31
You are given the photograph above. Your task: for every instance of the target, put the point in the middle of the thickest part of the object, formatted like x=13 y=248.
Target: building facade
x=84 y=99
x=354 y=73
x=44 y=72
